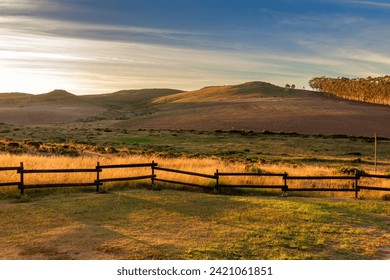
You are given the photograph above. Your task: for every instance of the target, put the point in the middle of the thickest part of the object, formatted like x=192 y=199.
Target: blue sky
x=87 y=46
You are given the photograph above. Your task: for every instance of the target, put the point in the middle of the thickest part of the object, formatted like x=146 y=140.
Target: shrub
x=110 y=150
x=386 y=197
x=351 y=171
x=13 y=145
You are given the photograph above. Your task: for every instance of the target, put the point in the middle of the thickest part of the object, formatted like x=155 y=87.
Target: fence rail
x=185 y=172
x=196 y=174
x=26 y=171
x=213 y=184
x=10 y=184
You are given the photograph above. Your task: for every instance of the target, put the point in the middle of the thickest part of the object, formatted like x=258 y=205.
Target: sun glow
x=32 y=81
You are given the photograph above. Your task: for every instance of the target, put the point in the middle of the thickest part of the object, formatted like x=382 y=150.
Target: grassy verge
x=143 y=224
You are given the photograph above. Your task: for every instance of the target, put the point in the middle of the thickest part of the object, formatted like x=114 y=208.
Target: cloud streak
x=372 y=3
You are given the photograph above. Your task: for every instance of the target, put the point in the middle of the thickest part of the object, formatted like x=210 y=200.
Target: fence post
x=216 y=187
x=357 y=177
x=153 y=175
x=21 y=185
x=285 y=187
x=98 y=170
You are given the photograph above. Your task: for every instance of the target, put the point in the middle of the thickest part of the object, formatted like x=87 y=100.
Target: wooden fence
x=214 y=184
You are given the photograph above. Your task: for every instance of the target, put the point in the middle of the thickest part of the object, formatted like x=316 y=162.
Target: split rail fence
x=214 y=183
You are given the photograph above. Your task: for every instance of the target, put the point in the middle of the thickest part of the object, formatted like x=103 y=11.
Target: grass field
x=167 y=224
x=234 y=145
x=127 y=221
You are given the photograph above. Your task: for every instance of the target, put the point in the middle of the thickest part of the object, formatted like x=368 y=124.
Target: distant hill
x=55 y=95
x=253 y=106
x=12 y=98
x=262 y=106
x=60 y=106
x=243 y=92
x=132 y=97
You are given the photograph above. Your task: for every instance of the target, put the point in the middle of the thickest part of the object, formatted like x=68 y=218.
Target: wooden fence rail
x=99 y=168
x=377 y=177
x=354 y=186
x=185 y=173
x=213 y=184
x=219 y=186
x=9 y=184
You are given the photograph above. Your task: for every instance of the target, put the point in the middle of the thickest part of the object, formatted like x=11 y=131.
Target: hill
x=129 y=97
x=262 y=106
x=251 y=91
x=55 y=95
x=60 y=106
x=49 y=108
x=253 y=106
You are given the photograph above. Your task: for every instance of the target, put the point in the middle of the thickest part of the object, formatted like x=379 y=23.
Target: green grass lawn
x=169 y=224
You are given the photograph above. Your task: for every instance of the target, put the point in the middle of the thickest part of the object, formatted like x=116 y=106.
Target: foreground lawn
x=169 y=224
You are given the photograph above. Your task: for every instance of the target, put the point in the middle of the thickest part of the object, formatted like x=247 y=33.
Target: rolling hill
x=254 y=106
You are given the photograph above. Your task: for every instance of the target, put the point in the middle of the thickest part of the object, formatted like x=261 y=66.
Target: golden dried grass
x=199 y=165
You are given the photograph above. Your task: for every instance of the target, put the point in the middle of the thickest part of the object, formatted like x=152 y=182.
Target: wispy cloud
x=12 y=5
x=93 y=65
x=39 y=52
x=34 y=7
x=372 y=3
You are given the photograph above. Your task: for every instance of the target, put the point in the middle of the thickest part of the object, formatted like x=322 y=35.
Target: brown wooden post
x=375 y=150
x=357 y=177
x=153 y=175
x=216 y=187
x=98 y=170
x=285 y=187
x=21 y=186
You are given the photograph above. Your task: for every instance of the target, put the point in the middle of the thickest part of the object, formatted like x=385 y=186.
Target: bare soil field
x=256 y=106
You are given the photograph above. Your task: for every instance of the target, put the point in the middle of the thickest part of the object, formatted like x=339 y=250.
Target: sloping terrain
x=60 y=106
x=53 y=107
x=253 y=106
x=261 y=106
x=252 y=91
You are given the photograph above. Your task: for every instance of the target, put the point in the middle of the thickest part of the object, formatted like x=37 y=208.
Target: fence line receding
x=213 y=184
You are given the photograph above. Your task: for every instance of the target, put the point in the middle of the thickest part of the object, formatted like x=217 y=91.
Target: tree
x=287 y=87
x=370 y=89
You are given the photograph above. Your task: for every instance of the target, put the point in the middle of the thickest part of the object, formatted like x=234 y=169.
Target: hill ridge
x=248 y=106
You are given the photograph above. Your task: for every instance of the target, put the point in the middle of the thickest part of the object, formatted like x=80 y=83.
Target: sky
x=96 y=46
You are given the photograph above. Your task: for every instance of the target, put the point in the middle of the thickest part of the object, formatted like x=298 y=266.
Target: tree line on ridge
x=370 y=89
